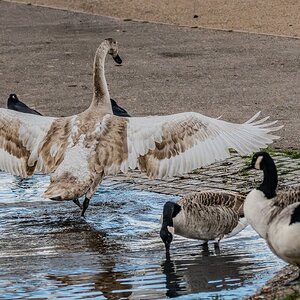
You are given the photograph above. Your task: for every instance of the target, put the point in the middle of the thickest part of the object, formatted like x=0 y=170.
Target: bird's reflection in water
x=209 y=271
x=92 y=247
x=108 y=283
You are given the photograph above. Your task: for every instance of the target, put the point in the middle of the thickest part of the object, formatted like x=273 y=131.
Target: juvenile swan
x=79 y=150
x=275 y=216
x=207 y=215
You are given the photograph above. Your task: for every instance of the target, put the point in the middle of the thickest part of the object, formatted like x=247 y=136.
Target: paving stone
x=225 y=175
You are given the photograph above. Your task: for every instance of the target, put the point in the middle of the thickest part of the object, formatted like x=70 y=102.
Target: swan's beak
x=117 y=59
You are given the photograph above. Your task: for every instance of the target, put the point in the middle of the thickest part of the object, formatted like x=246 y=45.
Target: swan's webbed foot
x=76 y=201
x=85 y=205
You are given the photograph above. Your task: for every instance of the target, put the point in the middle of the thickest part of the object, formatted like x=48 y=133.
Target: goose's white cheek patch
x=171 y=229
x=257 y=163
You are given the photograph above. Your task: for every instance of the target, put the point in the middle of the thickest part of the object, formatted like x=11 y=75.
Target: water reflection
x=49 y=251
x=108 y=283
x=208 y=271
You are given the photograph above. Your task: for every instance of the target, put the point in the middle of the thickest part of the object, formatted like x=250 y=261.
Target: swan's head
x=113 y=50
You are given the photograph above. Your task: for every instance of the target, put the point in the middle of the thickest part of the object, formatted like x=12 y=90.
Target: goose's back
x=208 y=215
x=231 y=200
x=287 y=197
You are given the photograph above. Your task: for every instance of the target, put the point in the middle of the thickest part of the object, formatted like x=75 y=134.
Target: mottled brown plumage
x=287 y=196
x=207 y=215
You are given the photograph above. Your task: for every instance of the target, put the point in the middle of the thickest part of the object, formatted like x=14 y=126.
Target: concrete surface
x=272 y=17
x=225 y=175
x=46 y=58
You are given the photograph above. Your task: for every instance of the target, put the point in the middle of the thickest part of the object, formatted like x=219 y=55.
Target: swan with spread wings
x=78 y=151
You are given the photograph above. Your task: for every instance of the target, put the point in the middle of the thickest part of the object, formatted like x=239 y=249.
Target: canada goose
x=275 y=216
x=14 y=103
x=207 y=215
x=79 y=150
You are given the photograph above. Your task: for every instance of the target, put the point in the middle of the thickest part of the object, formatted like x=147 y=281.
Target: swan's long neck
x=101 y=95
x=269 y=184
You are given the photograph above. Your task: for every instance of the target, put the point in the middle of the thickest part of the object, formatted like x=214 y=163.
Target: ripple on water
x=48 y=251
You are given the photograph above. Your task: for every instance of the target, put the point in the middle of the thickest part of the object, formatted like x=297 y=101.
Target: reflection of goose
x=79 y=150
x=14 y=103
x=207 y=215
x=204 y=274
x=276 y=217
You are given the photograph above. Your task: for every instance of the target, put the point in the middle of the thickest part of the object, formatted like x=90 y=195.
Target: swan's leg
x=85 y=205
x=76 y=201
x=91 y=192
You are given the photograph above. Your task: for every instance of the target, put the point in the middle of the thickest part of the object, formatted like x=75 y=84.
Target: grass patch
x=295 y=296
x=244 y=173
x=283 y=172
x=291 y=153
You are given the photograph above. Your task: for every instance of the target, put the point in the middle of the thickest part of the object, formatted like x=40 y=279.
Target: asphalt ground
x=46 y=57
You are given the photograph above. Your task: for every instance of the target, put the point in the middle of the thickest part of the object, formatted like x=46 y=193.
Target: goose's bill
x=117 y=59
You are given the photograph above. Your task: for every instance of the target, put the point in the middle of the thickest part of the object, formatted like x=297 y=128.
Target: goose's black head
x=170 y=211
x=13 y=98
x=113 y=50
x=260 y=160
x=166 y=234
x=263 y=161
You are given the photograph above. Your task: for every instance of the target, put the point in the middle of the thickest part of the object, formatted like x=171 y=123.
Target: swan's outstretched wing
x=21 y=138
x=172 y=145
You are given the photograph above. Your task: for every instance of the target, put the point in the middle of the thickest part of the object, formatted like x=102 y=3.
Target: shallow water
x=47 y=251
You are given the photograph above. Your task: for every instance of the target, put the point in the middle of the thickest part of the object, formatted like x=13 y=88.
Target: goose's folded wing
x=172 y=145
x=21 y=136
x=216 y=198
x=287 y=197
